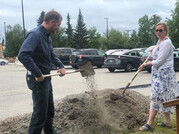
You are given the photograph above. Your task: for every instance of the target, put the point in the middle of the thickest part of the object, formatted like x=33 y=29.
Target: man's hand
x=62 y=71
x=39 y=79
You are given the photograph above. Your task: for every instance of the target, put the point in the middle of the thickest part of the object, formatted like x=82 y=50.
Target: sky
x=122 y=14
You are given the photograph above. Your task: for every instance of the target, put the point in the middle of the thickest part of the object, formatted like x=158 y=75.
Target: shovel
x=86 y=69
x=135 y=74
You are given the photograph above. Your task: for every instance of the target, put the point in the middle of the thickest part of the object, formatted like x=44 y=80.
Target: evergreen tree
x=69 y=32
x=40 y=20
x=80 y=35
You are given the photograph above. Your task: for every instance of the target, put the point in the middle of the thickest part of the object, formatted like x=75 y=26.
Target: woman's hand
x=142 y=66
x=152 y=49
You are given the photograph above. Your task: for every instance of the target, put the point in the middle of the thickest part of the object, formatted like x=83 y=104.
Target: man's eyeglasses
x=159 y=30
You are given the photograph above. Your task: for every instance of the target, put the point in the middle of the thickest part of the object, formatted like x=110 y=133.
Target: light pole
x=128 y=32
x=4 y=33
x=23 y=17
x=107 y=35
x=5 y=40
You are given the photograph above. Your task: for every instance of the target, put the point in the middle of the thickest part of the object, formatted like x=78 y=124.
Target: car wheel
x=3 y=63
x=75 y=67
x=128 y=67
x=149 y=70
x=99 y=66
x=111 y=69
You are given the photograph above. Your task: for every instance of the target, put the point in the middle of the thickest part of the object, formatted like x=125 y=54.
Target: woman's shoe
x=145 y=127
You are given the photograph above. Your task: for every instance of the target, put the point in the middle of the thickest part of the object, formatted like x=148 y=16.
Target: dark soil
x=94 y=112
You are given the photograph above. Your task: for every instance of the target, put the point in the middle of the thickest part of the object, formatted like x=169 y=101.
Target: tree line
x=81 y=37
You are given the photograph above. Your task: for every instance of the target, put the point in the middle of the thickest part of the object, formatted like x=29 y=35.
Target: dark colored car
x=95 y=56
x=127 y=60
x=63 y=54
x=175 y=56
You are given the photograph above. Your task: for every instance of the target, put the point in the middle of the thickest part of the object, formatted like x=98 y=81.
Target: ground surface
x=82 y=106
x=16 y=98
x=90 y=112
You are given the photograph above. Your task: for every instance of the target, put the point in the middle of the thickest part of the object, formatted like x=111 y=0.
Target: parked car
x=63 y=54
x=110 y=51
x=3 y=61
x=95 y=56
x=128 y=60
x=149 y=48
x=175 y=56
x=140 y=50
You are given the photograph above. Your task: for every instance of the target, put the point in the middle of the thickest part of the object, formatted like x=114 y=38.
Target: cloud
x=121 y=14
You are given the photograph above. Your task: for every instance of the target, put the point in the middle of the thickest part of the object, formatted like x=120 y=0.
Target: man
x=36 y=54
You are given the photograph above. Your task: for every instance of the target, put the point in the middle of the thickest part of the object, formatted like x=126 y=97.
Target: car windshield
x=109 y=52
x=149 y=48
x=77 y=52
x=118 y=53
x=146 y=54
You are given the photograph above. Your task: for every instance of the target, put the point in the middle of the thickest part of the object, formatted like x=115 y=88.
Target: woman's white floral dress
x=164 y=85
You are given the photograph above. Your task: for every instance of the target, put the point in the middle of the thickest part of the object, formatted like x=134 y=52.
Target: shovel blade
x=86 y=69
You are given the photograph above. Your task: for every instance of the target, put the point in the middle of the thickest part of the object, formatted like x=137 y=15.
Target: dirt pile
x=90 y=112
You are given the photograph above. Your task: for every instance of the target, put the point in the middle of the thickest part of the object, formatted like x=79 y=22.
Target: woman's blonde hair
x=164 y=26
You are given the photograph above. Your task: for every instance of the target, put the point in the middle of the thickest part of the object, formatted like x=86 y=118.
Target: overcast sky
x=121 y=14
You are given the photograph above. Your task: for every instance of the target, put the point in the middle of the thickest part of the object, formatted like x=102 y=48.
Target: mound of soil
x=90 y=112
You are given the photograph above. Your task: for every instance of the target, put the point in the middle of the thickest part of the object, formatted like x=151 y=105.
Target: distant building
x=1 y=50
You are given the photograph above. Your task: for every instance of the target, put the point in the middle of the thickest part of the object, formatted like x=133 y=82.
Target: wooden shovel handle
x=55 y=74
x=135 y=74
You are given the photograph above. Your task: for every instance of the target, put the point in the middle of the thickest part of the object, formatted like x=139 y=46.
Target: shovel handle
x=147 y=58
x=55 y=74
x=136 y=74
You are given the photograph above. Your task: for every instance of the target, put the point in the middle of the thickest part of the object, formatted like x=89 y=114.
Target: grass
x=155 y=129
x=158 y=129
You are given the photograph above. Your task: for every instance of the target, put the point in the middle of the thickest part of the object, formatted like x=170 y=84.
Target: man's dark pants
x=43 y=105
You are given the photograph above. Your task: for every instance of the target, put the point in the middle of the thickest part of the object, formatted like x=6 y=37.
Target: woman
x=164 y=84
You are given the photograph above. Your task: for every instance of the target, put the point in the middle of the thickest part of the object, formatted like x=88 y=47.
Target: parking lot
x=15 y=97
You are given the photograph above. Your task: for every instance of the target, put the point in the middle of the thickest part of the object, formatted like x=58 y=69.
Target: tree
x=14 y=40
x=173 y=25
x=59 y=38
x=69 y=32
x=80 y=35
x=144 y=33
x=40 y=19
x=94 y=38
x=117 y=39
x=153 y=21
x=133 y=41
